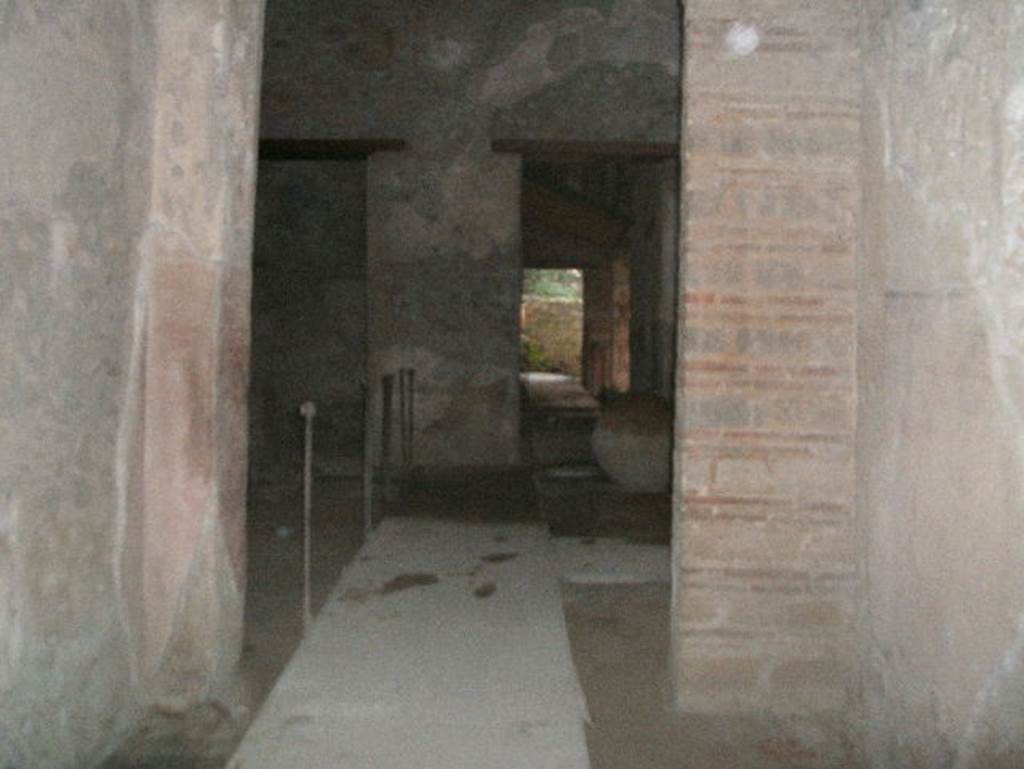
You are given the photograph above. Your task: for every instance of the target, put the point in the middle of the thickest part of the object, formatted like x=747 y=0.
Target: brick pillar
x=764 y=541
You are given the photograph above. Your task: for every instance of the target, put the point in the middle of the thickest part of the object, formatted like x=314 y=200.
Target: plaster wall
x=444 y=287
x=127 y=178
x=454 y=73
x=941 y=394
x=75 y=111
x=448 y=78
x=309 y=316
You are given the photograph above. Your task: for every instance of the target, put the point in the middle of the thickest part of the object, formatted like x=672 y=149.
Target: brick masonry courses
x=765 y=554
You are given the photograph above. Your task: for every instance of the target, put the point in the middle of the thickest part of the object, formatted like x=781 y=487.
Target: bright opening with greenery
x=552 y=321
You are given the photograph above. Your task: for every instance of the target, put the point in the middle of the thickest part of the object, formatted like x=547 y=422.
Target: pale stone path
x=444 y=646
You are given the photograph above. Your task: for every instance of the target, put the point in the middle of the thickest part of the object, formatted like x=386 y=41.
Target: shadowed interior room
x=626 y=384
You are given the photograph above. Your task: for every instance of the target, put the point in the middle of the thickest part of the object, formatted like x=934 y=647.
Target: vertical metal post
x=408 y=420
x=402 y=412
x=367 y=463
x=387 y=390
x=308 y=411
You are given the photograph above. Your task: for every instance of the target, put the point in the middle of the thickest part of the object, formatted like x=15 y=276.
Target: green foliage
x=553 y=284
x=533 y=358
x=552 y=317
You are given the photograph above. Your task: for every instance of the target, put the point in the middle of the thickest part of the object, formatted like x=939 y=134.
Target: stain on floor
x=621 y=647
x=406 y=581
x=786 y=749
x=485 y=590
x=399 y=583
x=498 y=557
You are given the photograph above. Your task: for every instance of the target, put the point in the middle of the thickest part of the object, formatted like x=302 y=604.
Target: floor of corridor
x=444 y=646
x=616 y=612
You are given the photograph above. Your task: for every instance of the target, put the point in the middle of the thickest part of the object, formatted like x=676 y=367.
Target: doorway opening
x=599 y=229
x=437 y=230
x=447 y=235
x=551 y=322
x=308 y=344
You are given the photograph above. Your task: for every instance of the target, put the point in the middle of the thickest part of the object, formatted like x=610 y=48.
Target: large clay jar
x=633 y=442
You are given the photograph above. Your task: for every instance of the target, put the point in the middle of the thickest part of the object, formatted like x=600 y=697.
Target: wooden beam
x=585 y=150
x=326 y=149
x=573 y=217
x=550 y=249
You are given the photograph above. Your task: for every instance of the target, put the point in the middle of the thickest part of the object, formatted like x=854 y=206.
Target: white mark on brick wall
x=742 y=39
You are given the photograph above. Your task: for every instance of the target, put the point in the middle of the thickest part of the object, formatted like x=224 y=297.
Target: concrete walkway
x=444 y=646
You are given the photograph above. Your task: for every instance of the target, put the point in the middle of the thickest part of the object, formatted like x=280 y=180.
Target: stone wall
x=940 y=453
x=125 y=208
x=309 y=316
x=452 y=74
x=654 y=263
x=443 y=272
x=764 y=539
x=444 y=254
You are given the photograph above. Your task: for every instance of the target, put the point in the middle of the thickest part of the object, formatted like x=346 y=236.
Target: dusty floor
x=205 y=737
x=619 y=633
x=273 y=623
x=558 y=417
x=620 y=642
x=443 y=646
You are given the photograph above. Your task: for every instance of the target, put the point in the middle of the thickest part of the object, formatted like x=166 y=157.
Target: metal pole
x=308 y=411
x=388 y=388
x=410 y=401
x=402 y=410
x=367 y=463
